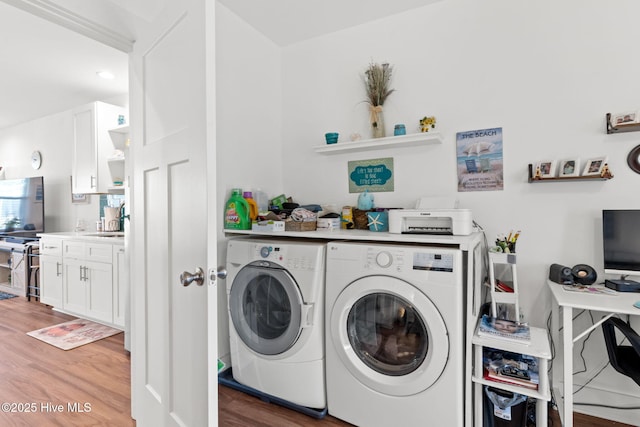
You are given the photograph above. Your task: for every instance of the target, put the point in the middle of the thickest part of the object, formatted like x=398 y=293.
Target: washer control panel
x=280 y=255
x=269 y=252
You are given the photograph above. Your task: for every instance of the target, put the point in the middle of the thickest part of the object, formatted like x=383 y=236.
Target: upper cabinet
x=92 y=146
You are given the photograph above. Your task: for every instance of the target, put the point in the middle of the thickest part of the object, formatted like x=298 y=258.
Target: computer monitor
x=621 y=242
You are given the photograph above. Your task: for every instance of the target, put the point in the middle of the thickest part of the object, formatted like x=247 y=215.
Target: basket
x=360 y=219
x=291 y=225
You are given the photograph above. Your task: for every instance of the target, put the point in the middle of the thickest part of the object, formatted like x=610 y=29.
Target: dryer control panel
x=395 y=259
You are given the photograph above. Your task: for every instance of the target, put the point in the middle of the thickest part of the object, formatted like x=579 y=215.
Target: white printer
x=427 y=220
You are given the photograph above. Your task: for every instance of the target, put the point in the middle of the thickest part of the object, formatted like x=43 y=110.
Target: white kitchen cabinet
x=51 y=271
x=92 y=146
x=87 y=284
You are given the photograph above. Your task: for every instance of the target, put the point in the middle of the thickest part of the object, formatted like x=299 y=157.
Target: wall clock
x=36 y=160
x=633 y=159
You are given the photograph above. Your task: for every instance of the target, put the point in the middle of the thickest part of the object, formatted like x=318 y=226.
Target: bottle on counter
x=236 y=212
x=253 y=206
x=262 y=200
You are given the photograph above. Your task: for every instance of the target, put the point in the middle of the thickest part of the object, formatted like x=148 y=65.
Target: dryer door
x=389 y=335
x=266 y=308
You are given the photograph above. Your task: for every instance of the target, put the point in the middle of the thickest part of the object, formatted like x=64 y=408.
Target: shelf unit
x=427 y=138
x=538 y=346
x=605 y=177
x=120 y=139
x=631 y=127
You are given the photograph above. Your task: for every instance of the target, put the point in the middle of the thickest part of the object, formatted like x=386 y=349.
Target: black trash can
x=504 y=408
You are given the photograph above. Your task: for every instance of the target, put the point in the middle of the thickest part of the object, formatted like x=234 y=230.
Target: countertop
x=462 y=242
x=112 y=237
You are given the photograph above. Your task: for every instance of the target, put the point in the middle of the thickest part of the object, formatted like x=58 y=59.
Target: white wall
x=249 y=121
x=545 y=71
x=53 y=137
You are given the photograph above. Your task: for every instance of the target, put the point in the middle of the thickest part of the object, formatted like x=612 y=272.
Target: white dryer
x=275 y=291
x=395 y=334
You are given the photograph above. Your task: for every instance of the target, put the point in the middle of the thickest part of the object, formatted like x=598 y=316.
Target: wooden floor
x=41 y=385
x=36 y=378
x=237 y=409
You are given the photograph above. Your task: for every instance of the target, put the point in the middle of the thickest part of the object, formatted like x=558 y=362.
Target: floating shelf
x=120 y=136
x=631 y=127
x=605 y=177
x=417 y=139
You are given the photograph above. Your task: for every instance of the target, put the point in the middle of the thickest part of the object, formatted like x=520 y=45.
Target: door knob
x=186 y=278
x=221 y=273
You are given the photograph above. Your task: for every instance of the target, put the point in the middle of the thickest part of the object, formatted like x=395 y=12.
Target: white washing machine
x=275 y=291
x=395 y=334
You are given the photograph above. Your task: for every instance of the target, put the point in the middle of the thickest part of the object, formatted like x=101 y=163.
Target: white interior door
x=169 y=92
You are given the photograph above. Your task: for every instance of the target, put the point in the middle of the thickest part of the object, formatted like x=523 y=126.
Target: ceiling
x=289 y=21
x=46 y=68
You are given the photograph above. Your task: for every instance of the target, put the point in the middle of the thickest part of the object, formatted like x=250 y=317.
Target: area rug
x=4 y=295
x=72 y=334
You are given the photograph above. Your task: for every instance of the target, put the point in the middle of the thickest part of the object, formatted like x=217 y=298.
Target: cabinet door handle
x=58 y=272
x=93 y=178
x=81 y=271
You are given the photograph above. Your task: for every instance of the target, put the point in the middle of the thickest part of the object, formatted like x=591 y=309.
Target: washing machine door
x=389 y=335
x=266 y=307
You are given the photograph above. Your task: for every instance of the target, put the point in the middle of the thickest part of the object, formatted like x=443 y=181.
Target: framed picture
x=594 y=166
x=569 y=167
x=547 y=168
x=76 y=197
x=625 y=118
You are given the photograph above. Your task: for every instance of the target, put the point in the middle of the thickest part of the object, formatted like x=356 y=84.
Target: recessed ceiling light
x=107 y=75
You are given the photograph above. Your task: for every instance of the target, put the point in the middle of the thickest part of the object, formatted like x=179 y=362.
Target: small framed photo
x=546 y=169
x=626 y=118
x=594 y=166
x=569 y=167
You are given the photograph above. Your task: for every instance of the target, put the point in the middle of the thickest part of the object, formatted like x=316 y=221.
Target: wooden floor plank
x=46 y=386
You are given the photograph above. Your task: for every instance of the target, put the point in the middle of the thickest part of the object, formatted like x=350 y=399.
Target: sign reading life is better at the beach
x=375 y=175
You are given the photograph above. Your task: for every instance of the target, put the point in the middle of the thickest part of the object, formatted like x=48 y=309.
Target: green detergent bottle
x=236 y=212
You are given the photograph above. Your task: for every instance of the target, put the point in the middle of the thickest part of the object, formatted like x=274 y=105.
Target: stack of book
x=504 y=329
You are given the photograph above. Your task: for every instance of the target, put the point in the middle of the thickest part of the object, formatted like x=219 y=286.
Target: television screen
x=621 y=241
x=22 y=206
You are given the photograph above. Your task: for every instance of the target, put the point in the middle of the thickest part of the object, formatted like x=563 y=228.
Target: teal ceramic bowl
x=331 y=137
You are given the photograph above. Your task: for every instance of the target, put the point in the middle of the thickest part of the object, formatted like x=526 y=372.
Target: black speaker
x=584 y=274
x=560 y=274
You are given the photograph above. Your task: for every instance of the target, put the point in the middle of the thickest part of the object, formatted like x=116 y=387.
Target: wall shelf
x=631 y=127
x=120 y=137
x=604 y=177
x=417 y=139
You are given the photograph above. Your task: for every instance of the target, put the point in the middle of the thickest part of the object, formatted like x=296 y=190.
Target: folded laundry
x=302 y=214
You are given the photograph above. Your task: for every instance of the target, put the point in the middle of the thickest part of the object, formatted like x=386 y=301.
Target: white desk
x=621 y=303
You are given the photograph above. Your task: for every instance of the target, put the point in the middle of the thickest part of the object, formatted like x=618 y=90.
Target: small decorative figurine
x=427 y=123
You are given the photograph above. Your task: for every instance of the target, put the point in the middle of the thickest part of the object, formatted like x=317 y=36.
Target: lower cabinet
x=87 y=289
x=85 y=279
x=51 y=271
